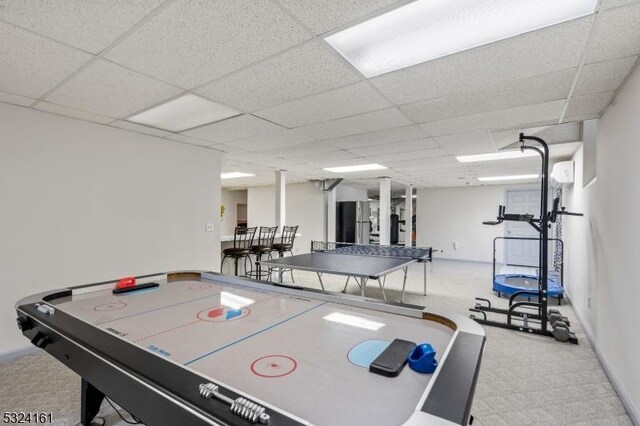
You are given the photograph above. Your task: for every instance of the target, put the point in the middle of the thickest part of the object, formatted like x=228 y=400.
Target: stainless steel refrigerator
x=352 y=222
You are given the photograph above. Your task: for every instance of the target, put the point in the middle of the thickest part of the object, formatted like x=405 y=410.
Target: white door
x=522 y=252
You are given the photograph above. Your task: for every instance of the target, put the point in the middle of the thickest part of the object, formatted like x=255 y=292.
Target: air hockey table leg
x=91 y=399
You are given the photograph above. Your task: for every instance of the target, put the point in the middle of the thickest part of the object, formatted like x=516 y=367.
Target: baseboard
x=17 y=353
x=632 y=411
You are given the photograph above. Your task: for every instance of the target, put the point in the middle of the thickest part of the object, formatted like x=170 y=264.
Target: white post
x=330 y=197
x=385 y=211
x=408 y=216
x=281 y=204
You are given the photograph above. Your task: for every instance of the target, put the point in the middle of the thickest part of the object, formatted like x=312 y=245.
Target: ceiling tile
x=87 y=25
x=394 y=147
x=139 y=128
x=551 y=49
x=367 y=122
x=31 y=65
x=345 y=101
x=185 y=139
x=541 y=88
x=240 y=127
x=603 y=76
x=588 y=104
x=503 y=119
x=305 y=70
x=475 y=142
x=387 y=159
x=325 y=15
x=280 y=139
x=231 y=150
x=305 y=148
x=10 y=98
x=73 y=113
x=192 y=42
x=387 y=136
x=553 y=134
x=617 y=34
x=109 y=89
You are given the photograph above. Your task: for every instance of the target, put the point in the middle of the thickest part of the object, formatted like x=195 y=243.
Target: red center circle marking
x=200 y=287
x=113 y=306
x=273 y=366
x=222 y=313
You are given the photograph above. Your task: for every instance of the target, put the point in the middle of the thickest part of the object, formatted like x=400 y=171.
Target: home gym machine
x=527 y=316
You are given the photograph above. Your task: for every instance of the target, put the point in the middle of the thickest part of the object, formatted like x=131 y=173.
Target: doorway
x=522 y=253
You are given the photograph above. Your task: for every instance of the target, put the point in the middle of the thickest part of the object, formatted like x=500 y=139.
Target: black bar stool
x=266 y=235
x=286 y=242
x=242 y=242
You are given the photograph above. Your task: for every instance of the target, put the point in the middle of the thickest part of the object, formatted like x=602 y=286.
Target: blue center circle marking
x=365 y=352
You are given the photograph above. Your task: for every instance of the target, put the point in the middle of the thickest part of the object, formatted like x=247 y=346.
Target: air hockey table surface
x=302 y=355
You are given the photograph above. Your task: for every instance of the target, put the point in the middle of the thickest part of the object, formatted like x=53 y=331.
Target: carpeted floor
x=524 y=379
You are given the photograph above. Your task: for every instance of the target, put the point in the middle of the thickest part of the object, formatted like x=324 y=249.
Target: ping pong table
x=360 y=261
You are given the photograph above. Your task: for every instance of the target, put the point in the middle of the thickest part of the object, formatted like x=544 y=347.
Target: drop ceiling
x=304 y=107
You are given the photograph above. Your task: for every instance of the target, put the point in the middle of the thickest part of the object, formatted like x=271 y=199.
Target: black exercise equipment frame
x=540 y=224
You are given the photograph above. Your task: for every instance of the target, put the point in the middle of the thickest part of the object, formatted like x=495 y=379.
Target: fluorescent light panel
x=504 y=155
x=514 y=177
x=357 y=168
x=183 y=113
x=354 y=321
x=429 y=29
x=234 y=175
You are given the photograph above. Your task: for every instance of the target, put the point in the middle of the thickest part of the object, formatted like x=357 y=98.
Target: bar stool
x=286 y=243
x=266 y=235
x=242 y=242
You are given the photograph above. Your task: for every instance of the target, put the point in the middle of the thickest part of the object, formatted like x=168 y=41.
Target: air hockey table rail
x=267 y=349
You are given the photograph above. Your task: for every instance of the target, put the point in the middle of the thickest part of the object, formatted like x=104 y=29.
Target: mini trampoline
x=510 y=283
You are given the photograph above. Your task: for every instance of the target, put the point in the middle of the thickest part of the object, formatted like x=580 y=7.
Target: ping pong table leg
x=404 y=283
x=320 y=279
x=280 y=272
x=344 y=290
x=363 y=282
x=384 y=296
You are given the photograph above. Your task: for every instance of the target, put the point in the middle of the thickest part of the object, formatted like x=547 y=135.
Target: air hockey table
x=203 y=348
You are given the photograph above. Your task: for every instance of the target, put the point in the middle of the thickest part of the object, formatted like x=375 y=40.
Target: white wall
x=448 y=215
x=604 y=249
x=305 y=206
x=83 y=203
x=230 y=200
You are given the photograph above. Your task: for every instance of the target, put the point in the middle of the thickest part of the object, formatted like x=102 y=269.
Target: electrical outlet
x=589 y=302
x=209 y=227
x=455 y=245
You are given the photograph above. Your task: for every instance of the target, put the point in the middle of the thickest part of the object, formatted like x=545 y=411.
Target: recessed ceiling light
x=505 y=155
x=233 y=175
x=183 y=113
x=424 y=30
x=413 y=196
x=358 y=168
x=514 y=177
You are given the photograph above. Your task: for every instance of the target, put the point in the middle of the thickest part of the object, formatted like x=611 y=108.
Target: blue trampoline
x=510 y=283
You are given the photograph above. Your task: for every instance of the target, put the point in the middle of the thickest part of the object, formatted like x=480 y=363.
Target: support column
x=281 y=202
x=408 y=215
x=330 y=215
x=385 y=211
